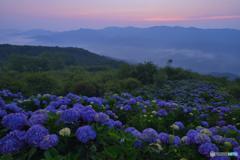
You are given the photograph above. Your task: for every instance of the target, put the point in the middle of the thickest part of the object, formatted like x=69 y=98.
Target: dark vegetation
x=55 y=70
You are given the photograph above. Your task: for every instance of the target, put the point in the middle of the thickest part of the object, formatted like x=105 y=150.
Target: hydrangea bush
x=119 y=126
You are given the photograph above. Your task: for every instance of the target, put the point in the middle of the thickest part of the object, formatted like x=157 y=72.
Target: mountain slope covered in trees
x=39 y=58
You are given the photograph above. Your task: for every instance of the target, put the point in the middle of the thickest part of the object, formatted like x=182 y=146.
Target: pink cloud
x=173 y=19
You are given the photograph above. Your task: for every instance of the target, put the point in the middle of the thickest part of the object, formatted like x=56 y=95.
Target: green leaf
x=6 y=157
x=31 y=153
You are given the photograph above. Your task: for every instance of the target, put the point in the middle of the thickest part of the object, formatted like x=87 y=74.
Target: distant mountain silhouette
x=202 y=50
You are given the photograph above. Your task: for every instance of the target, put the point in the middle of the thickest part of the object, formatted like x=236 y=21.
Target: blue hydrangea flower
x=35 y=135
x=2 y=103
x=101 y=117
x=221 y=158
x=78 y=106
x=2 y=113
x=49 y=141
x=179 y=124
x=175 y=140
x=186 y=140
x=149 y=135
x=237 y=149
x=201 y=138
x=232 y=141
x=85 y=133
x=204 y=124
x=127 y=107
x=164 y=137
x=14 y=121
x=36 y=101
x=38 y=118
x=111 y=113
x=138 y=144
x=191 y=135
x=12 y=107
x=214 y=130
x=206 y=148
x=87 y=114
x=132 y=101
x=110 y=123
x=217 y=139
x=13 y=142
x=70 y=115
x=118 y=124
x=162 y=113
x=133 y=131
x=221 y=123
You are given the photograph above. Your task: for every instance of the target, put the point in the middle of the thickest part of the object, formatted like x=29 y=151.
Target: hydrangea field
x=180 y=124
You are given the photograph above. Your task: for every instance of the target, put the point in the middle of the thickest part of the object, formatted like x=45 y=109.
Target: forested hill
x=40 y=58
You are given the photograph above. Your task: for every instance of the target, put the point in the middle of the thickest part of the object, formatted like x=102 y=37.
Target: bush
x=145 y=72
x=130 y=84
x=40 y=83
x=113 y=86
x=86 y=88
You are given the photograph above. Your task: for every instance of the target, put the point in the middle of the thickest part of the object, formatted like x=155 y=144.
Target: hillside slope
x=21 y=58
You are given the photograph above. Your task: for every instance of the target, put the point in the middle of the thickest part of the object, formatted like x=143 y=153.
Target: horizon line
x=121 y=27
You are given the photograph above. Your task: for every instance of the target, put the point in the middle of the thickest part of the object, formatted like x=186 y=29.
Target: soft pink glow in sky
x=73 y=14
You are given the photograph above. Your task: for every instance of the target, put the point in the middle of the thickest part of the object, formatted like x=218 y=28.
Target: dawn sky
x=73 y=14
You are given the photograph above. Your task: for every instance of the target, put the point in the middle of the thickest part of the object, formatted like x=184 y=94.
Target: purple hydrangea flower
x=14 y=121
x=49 y=141
x=85 y=133
x=35 y=135
x=12 y=142
x=149 y=135
x=206 y=148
